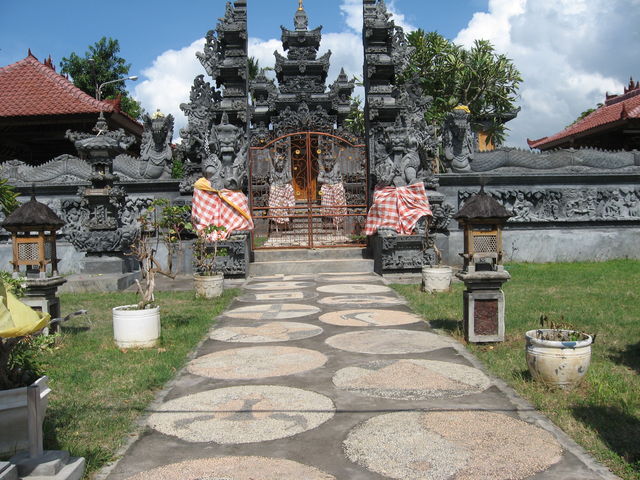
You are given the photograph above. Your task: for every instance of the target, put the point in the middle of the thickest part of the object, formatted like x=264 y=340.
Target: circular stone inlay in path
x=373 y=300
x=444 y=445
x=348 y=278
x=252 y=413
x=256 y=362
x=234 y=468
x=369 y=318
x=272 y=311
x=285 y=296
x=354 y=288
x=410 y=379
x=388 y=342
x=266 y=332
x=278 y=285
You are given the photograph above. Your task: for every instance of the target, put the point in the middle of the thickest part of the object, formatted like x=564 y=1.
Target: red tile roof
x=616 y=108
x=29 y=87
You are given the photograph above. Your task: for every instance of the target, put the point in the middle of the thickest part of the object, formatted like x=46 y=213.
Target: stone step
x=301 y=254
x=304 y=267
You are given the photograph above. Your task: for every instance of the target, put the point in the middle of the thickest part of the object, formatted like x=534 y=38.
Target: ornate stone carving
x=155 y=152
x=280 y=171
x=458 y=140
x=226 y=163
x=567 y=204
x=216 y=116
x=303 y=120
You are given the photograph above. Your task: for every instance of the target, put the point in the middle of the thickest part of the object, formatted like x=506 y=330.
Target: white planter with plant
x=436 y=278
x=138 y=326
x=208 y=281
x=559 y=356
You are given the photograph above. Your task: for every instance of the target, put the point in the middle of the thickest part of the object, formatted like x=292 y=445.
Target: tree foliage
x=101 y=63
x=479 y=78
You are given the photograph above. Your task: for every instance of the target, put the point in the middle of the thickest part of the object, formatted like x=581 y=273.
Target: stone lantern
x=33 y=229
x=483 y=219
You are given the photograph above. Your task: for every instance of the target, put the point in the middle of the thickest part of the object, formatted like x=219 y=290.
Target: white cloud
x=351 y=11
x=168 y=82
x=570 y=53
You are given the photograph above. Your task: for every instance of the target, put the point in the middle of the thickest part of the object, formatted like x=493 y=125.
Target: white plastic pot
x=208 y=286
x=14 y=431
x=436 y=279
x=558 y=363
x=135 y=328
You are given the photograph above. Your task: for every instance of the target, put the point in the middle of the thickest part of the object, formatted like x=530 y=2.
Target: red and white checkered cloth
x=281 y=196
x=333 y=195
x=227 y=208
x=399 y=208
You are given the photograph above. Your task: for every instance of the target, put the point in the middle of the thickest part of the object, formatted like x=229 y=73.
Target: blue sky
x=570 y=52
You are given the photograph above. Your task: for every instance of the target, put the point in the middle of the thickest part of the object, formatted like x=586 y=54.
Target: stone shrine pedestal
x=484 y=305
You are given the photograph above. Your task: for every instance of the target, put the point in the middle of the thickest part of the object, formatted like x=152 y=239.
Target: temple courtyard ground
x=333 y=376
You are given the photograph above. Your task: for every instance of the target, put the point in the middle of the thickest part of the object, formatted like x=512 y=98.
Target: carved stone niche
x=234 y=264
x=395 y=253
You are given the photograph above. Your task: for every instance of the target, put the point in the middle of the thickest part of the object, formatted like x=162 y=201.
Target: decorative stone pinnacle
x=300 y=6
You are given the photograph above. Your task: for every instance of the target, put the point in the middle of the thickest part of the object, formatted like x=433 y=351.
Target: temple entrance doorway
x=308 y=190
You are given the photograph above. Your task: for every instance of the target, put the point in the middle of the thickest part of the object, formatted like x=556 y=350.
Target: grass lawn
x=603 y=413
x=98 y=390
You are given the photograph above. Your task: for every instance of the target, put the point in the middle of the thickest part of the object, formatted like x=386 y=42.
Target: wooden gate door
x=308 y=190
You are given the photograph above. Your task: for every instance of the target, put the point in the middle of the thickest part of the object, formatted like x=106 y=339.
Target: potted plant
x=208 y=280
x=558 y=354
x=138 y=326
x=436 y=278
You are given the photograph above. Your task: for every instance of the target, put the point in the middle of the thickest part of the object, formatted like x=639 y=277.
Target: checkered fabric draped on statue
x=399 y=208
x=226 y=208
x=281 y=202
x=334 y=195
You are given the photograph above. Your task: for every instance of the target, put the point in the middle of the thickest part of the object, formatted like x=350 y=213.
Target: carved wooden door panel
x=304 y=167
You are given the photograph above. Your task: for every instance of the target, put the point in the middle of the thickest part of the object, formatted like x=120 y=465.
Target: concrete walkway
x=332 y=377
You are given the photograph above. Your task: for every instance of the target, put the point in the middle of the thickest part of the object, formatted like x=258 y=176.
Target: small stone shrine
x=99 y=229
x=483 y=274
x=33 y=228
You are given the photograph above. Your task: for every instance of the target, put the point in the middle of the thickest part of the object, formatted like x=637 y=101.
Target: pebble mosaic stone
x=348 y=278
x=265 y=332
x=246 y=414
x=369 y=318
x=411 y=379
x=256 y=362
x=272 y=311
x=284 y=296
x=362 y=300
x=234 y=468
x=388 y=341
x=278 y=285
x=465 y=445
x=354 y=288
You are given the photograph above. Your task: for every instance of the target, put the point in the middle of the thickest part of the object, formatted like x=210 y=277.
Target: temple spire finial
x=300 y=6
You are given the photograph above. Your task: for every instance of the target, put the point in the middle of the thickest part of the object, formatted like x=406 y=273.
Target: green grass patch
x=98 y=390
x=603 y=413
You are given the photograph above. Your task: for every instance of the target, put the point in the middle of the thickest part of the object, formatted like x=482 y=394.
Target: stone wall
x=557 y=216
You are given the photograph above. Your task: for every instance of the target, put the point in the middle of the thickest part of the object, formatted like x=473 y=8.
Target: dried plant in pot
x=138 y=326
x=208 y=279
x=557 y=353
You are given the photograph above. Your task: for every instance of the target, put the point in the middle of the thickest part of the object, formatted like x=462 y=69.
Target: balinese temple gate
x=309 y=180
